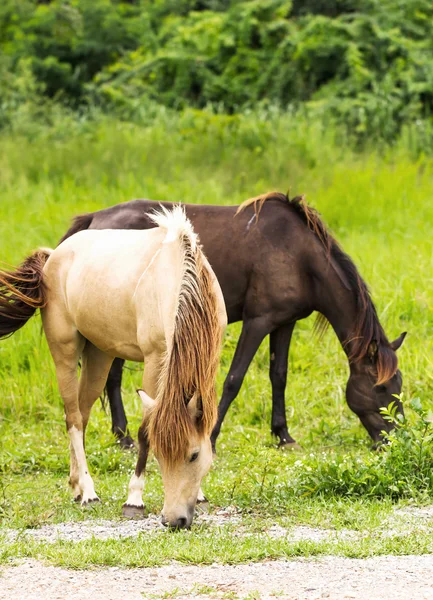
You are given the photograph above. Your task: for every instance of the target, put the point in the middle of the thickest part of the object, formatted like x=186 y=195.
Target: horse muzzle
x=182 y=522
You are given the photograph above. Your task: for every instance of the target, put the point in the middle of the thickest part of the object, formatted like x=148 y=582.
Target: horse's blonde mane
x=190 y=365
x=258 y=202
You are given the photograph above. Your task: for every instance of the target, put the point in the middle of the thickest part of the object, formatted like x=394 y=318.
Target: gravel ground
x=421 y=517
x=379 y=578
x=103 y=529
x=382 y=578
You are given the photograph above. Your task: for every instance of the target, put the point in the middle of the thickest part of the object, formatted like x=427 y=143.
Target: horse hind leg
x=119 y=423
x=66 y=344
x=95 y=366
x=279 y=349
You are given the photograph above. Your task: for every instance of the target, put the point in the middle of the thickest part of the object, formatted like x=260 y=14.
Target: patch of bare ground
x=381 y=578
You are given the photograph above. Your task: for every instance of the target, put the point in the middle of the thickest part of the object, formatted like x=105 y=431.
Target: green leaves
x=365 y=64
x=402 y=468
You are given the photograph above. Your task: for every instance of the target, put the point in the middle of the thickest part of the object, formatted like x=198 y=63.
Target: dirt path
x=382 y=578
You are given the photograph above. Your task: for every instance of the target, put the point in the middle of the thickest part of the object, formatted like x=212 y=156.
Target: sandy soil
x=382 y=578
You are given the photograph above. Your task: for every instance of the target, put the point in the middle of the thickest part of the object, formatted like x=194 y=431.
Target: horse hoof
x=90 y=501
x=133 y=512
x=202 y=506
x=127 y=443
x=289 y=446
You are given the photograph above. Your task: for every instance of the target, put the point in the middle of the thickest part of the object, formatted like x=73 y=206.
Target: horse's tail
x=190 y=366
x=22 y=292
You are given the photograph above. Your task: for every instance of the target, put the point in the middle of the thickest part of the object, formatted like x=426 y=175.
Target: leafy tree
x=366 y=63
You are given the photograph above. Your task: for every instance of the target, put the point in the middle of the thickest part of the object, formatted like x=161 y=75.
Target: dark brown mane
x=367 y=329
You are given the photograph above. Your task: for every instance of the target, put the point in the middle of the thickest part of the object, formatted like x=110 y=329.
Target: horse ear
x=195 y=408
x=395 y=345
x=148 y=402
x=372 y=350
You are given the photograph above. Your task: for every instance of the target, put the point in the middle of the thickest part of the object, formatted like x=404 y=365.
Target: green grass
x=380 y=209
x=206 y=547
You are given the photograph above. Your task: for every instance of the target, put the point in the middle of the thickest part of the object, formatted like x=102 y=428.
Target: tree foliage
x=366 y=63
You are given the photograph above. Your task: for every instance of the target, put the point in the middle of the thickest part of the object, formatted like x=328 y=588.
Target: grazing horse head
x=182 y=471
x=375 y=380
x=374 y=383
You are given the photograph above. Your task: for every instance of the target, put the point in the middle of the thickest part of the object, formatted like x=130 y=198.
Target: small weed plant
x=401 y=468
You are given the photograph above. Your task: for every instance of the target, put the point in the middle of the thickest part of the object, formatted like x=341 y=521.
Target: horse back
x=260 y=261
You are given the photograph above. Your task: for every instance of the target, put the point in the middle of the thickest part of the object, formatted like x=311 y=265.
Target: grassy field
x=378 y=204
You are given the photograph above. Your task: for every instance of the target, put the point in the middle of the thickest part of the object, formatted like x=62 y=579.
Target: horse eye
x=194 y=457
x=381 y=388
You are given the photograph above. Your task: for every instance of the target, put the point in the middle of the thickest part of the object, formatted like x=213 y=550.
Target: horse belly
x=115 y=343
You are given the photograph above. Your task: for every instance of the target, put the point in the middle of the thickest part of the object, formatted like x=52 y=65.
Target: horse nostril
x=179 y=523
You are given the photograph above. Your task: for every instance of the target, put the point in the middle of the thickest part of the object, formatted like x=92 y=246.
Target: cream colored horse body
x=114 y=288
x=114 y=293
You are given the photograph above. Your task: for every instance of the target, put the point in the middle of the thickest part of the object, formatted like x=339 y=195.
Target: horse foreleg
x=134 y=506
x=119 y=424
x=279 y=350
x=253 y=332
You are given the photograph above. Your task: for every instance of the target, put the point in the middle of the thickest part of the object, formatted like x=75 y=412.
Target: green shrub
x=366 y=64
x=402 y=468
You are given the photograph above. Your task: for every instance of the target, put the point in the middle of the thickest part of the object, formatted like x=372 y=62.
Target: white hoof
x=87 y=501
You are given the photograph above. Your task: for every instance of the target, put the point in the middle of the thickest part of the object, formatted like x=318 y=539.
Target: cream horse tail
x=22 y=292
x=190 y=365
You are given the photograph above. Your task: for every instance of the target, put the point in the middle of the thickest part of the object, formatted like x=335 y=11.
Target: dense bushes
x=365 y=63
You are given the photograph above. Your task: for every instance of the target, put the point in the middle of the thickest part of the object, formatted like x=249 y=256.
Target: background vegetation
x=364 y=64
x=214 y=102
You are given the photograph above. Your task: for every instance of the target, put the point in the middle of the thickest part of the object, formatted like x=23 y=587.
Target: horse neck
x=337 y=304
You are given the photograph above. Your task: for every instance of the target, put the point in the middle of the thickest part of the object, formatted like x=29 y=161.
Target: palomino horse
x=273 y=271
x=141 y=295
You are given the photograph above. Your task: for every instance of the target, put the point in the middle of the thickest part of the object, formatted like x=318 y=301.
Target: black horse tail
x=80 y=223
x=22 y=292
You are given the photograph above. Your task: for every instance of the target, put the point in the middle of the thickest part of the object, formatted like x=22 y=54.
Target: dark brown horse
x=277 y=263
